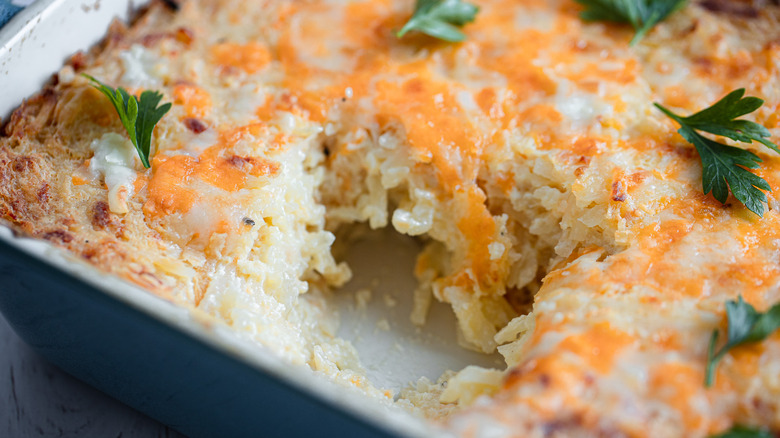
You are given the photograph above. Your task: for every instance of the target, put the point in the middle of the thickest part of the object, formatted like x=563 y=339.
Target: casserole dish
x=562 y=217
x=152 y=355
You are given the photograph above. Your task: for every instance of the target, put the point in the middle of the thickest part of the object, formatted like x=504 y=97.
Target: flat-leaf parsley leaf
x=724 y=166
x=745 y=325
x=744 y=432
x=138 y=116
x=440 y=19
x=642 y=14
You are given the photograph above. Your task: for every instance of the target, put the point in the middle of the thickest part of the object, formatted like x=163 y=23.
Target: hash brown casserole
x=563 y=217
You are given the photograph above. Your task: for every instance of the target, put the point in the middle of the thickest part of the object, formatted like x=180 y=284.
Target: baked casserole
x=562 y=214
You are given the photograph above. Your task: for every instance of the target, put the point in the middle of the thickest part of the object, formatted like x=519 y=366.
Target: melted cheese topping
x=115 y=159
x=141 y=68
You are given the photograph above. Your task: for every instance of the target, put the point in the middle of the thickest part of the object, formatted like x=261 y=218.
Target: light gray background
x=39 y=400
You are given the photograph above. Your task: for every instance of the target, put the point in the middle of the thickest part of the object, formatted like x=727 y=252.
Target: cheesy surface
x=563 y=216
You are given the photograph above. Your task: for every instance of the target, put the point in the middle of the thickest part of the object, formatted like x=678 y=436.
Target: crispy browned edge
x=33 y=199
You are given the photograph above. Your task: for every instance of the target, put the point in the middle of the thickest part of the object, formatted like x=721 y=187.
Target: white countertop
x=39 y=400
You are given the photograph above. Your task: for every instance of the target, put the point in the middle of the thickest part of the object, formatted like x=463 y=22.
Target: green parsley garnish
x=745 y=432
x=745 y=325
x=723 y=166
x=138 y=116
x=642 y=14
x=440 y=19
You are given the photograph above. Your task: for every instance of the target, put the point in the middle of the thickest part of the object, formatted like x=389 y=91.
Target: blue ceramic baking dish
x=186 y=371
x=153 y=367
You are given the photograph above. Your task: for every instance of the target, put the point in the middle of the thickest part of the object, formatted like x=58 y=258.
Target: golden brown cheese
x=530 y=155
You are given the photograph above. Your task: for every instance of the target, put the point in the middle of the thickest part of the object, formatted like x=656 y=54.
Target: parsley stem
x=712 y=361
